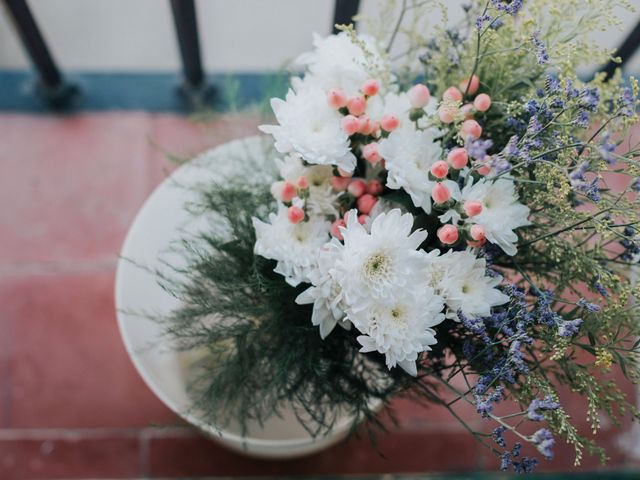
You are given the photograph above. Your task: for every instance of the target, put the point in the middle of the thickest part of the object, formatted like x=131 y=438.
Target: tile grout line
x=57 y=267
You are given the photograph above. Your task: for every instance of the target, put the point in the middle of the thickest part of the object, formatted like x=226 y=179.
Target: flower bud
x=483 y=169
x=370 y=87
x=452 y=94
x=448 y=234
x=471 y=128
x=440 y=169
x=440 y=193
x=366 y=125
x=374 y=187
x=295 y=214
x=473 y=86
x=467 y=111
x=362 y=219
x=350 y=124
x=356 y=105
x=472 y=208
x=335 y=228
x=289 y=192
x=419 y=96
x=390 y=123
x=371 y=153
x=366 y=203
x=336 y=98
x=447 y=113
x=340 y=183
x=476 y=232
x=357 y=187
x=458 y=158
x=482 y=102
x=303 y=183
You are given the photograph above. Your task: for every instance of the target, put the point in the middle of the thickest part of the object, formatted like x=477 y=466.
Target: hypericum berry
x=483 y=169
x=476 y=232
x=336 y=98
x=344 y=173
x=472 y=208
x=458 y=158
x=467 y=111
x=474 y=244
x=389 y=122
x=366 y=125
x=419 y=96
x=357 y=187
x=340 y=184
x=471 y=128
x=473 y=87
x=303 y=183
x=295 y=214
x=362 y=219
x=440 y=193
x=447 y=113
x=335 y=228
x=448 y=234
x=350 y=124
x=366 y=203
x=356 y=105
x=370 y=87
x=440 y=169
x=374 y=187
x=371 y=153
x=482 y=102
x=452 y=94
x=289 y=192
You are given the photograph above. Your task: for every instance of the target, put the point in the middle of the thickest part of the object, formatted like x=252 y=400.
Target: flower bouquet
x=453 y=224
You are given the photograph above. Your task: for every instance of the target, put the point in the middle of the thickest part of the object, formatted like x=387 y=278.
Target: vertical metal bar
x=625 y=52
x=184 y=17
x=344 y=12
x=34 y=43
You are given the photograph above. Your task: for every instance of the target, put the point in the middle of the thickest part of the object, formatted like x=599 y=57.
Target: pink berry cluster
x=287 y=191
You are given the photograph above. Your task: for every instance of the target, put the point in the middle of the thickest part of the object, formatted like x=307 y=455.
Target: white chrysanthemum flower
x=310 y=127
x=409 y=155
x=402 y=329
x=322 y=199
x=326 y=293
x=376 y=267
x=336 y=62
x=501 y=212
x=294 y=246
x=462 y=280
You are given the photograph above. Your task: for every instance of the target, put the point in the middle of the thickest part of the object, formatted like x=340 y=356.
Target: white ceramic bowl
x=161 y=220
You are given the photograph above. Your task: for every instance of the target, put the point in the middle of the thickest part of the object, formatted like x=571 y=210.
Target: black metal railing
x=53 y=87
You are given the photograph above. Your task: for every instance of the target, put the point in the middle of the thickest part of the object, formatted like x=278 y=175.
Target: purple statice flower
x=582 y=119
x=534 y=126
x=498 y=436
x=544 y=442
x=526 y=465
x=590 y=98
x=569 y=328
x=478 y=148
x=600 y=288
x=484 y=404
x=531 y=107
x=516 y=124
x=511 y=7
x=537 y=406
x=606 y=149
x=589 y=307
x=474 y=325
x=570 y=91
x=541 y=48
x=481 y=20
x=635 y=184
x=627 y=103
x=552 y=84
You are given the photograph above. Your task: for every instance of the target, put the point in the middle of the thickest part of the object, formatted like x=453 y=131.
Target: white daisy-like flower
x=409 y=155
x=403 y=329
x=336 y=62
x=376 y=267
x=461 y=279
x=326 y=293
x=294 y=246
x=501 y=214
x=322 y=199
x=310 y=127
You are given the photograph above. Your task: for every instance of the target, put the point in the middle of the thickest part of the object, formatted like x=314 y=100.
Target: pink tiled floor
x=71 y=403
